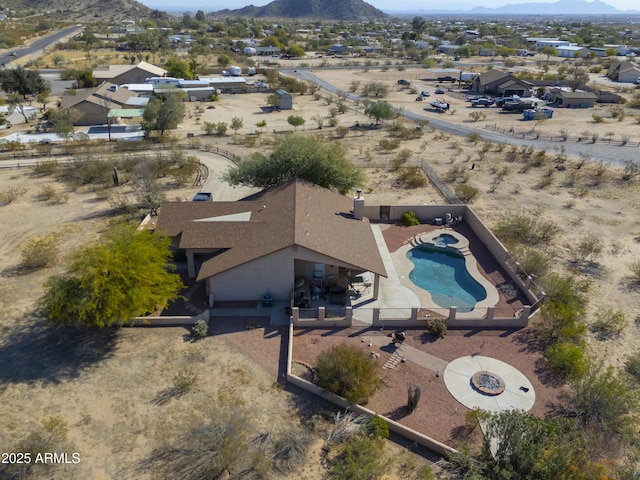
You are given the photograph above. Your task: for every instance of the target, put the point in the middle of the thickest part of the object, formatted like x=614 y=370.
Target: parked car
x=481 y=102
x=447 y=78
x=419 y=98
x=424 y=93
x=439 y=91
x=203 y=197
x=518 y=106
x=500 y=101
x=404 y=82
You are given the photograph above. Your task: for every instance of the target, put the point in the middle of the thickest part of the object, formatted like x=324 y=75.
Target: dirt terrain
x=104 y=386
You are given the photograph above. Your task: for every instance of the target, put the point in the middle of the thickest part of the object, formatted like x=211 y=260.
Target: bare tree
x=578 y=77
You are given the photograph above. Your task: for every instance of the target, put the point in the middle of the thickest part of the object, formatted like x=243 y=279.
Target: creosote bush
x=38 y=252
x=465 y=192
x=437 y=327
x=349 y=372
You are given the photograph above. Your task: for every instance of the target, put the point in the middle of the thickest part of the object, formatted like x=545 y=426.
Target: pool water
x=445 y=276
x=445 y=239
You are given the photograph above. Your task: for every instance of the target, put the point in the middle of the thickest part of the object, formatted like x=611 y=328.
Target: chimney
x=358 y=206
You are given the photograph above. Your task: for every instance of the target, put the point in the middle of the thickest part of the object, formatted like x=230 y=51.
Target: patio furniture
x=398 y=338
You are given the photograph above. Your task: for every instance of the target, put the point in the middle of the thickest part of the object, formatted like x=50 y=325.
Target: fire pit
x=487 y=383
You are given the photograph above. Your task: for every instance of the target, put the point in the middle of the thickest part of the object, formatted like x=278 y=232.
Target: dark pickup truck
x=518 y=106
x=447 y=78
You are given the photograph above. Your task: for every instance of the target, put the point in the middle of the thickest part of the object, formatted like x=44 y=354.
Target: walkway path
x=411 y=354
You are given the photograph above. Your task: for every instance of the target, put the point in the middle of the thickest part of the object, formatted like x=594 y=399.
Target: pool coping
x=404 y=267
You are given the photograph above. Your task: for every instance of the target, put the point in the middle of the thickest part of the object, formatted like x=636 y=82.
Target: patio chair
x=398 y=338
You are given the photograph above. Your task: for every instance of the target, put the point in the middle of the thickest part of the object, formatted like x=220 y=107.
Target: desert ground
x=104 y=385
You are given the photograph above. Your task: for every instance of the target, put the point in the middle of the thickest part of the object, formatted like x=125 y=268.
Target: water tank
x=249 y=51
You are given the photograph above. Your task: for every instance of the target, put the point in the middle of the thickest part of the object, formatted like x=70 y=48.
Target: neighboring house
x=286 y=100
x=572 y=99
x=501 y=83
x=271 y=241
x=267 y=51
x=573 y=51
x=120 y=74
x=94 y=104
x=487 y=52
x=624 y=71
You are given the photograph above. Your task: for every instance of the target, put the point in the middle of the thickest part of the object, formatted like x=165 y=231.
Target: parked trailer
x=235 y=71
x=537 y=114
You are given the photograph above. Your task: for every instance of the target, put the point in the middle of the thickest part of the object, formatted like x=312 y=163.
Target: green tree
x=21 y=81
x=348 y=371
x=224 y=60
x=548 y=51
x=236 y=124
x=165 y=113
x=313 y=159
x=295 y=121
x=63 y=122
x=296 y=51
x=176 y=67
x=124 y=276
x=380 y=111
x=274 y=100
x=261 y=124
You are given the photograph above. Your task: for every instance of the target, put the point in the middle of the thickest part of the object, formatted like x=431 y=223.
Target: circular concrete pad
x=518 y=392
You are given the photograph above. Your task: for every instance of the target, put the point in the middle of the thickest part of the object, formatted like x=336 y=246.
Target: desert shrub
x=634 y=267
x=200 y=329
x=389 y=144
x=587 y=249
x=474 y=137
x=333 y=121
x=346 y=426
x=376 y=427
x=477 y=116
x=349 y=372
x=604 y=400
x=597 y=118
x=630 y=171
x=523 y=229
x=38 y=252
x=437 y=327
x=342 y=131
x=535 y=262
x=412 y=177
x=10 y=195
x=221 y=128
x=363 y=458
x=414 y=392
x=567 y=359
x=632 y=366
x=409 y=219
x=465 y=192
x=50 y=193
x=290 y=451
x=209 y=128
x=184 y=380
x=48 y=167
x=609 y=323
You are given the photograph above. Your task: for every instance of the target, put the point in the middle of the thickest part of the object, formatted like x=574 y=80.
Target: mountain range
x=349 y=10
x=561 y=7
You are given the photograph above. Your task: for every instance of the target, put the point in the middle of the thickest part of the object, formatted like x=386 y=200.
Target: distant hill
x=561 y=7
x=107 y=10
x=312 y=9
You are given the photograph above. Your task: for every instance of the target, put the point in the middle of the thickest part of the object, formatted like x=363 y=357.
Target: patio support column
x=376 y=316
x=490 y=313
x=526 y=311
x=414 y=314
x=295 y=314
x=321 y=313
x=376 y=286
x=452 y=313
x=191 y=265
x=348 y=315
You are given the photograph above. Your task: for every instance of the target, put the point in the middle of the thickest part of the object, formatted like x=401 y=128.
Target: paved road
x=38 y=45
x=616 y=155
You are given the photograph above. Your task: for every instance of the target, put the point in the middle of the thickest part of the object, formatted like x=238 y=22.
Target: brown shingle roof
x=98 y=95
x=295 y=213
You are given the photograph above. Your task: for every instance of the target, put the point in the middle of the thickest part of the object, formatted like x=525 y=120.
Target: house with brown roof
x=500 y=83
x=273 y=242
x=122 y=74
x=92 y=105
x=567 y=99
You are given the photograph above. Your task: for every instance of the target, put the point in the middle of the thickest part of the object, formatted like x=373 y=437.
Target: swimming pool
x=445 y=276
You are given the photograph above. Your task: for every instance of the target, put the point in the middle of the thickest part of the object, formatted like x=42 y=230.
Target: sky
x=393 y=5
